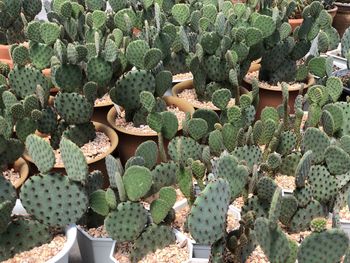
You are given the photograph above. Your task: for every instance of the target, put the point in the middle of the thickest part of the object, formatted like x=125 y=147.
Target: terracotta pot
x=273 y=97
x=5 y=52
x=333 y=11
x=341 y=20
x=130 y=140
x=188 y=84
x=101 y=111
x=97 y=163
x=20 y=166
x=295 y=22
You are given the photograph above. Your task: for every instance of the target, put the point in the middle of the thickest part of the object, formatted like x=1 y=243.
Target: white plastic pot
x=95 y=249
x=338 y=61
x=71 y=235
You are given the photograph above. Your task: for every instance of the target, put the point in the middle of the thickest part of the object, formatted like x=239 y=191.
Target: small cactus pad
x=127 y=222
x=41 y=153
x=148 y=150
x=137 y=181
x=317 y=141
x=207 y=220
x=53 y=199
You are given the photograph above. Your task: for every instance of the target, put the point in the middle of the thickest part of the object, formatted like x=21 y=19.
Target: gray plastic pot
x=71 y=235
x=95 y=249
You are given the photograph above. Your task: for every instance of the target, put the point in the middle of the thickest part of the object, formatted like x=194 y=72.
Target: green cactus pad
x=289 y=205
x=155 y=237
x=49 y=32
x=99 y=71
x=148 y=150
x=266 y=188
x=207 y=218
x=73 y=107
x=317 y=141
x=41 y=153
x=59 y=202
x=236 y=175
x=303 y=168
x=302 y=218
x=323 y=184
x=163 y=174
x=98 y=202
x=337 y=160
x=328 y=247
x=181 y=148
x=21 y=235
x=250 y=154
x=68 y=78
x=137 y=181
x=127 y=222
x=74 y=160
x=289 y=164
x=197 y=128
x=273 y=241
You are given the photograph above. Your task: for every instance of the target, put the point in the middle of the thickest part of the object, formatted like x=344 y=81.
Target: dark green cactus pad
x=289 y=164
x=155 y=237
x=5 y=215
x=345 y=128
x=216 y=142
x=99 y=71
x=128 y=88
x=163 y=174
x=120 y=21
x=302 y=218
x=289 y=205
x=303 y=168
x=13 y=150
x=344 y=143
x=229 y=135
x=20 y=55
x=74 y=161
x=209 y=116
x=148 y=150
x=68 y=77
x=236 y=175
x=41 y=153
x=286 y=143
x=94 y=181
x=170 y=125
x=73 y=108
x=273 y=241
x=337 y=160
x=21 y=235
x=269 y=128
x=269 y=113
x=328 y=247
x=303 y=195
x=127 y=222
x=98 y=202
x=49 y=32
x=181 y=148
x=250 y=154
x=159 y=210
x=40 y=55
x=57 y=202
x=7 y=191
x=207 y=219
x=48 y=121
x=197 y=128
x=260 y=207
x=266 y=188
x=336 y=113
x=81 y=134
x=25 y=127
x=137 y=181
x=24 y=81
x=324 y=185
x=274 y=161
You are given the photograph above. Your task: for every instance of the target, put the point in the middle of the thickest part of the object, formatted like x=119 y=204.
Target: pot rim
x=170 y=100
x=111 y=134
x=310 y=81
x=20 y=166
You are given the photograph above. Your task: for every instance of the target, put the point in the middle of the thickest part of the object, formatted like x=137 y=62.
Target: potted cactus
x=342 y=19
x=48 y=189
x=14 y=17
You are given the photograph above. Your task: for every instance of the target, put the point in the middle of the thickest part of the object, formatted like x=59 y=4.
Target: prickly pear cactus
x=207 y=219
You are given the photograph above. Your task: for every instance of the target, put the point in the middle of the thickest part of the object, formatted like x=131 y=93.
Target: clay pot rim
x=20 y=166
x=102 y=105
x=340 y=4
x=170 y=100
x=334 y=9
x=111 y=134
x=188 y=84
x=295 y=20
x=310 y=82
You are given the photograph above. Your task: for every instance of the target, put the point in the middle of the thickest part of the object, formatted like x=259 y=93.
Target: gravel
x=92 y=149
x=191 y=96
x=98 y=232
x=104 y=100
x=344 y=213
x=121 y=122
x=40 y=254
x=182 y=77
x=11 y=175
x=285 y=182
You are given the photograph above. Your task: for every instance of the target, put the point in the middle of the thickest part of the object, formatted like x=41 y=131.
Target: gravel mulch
x=104 y=100
x=40 y=254
x=121 y=122
x=11 y=175
x=92 y=149
x=285 y=182
x=344 y=213
x=257 y=256
x=191 y=96
x=182 y=77
x=98 y=232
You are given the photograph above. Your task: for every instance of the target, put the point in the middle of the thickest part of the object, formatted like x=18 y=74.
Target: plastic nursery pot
x=97 y=163
x=272 y=97
x=295 y=22
x=341 y=21
x=346 y=90
x=20 y=166
x=5 y=52
x=188 y=84
x=130 y=140
x=338 y=60
x=95 y=249
x=71 y=237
